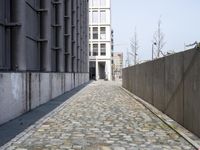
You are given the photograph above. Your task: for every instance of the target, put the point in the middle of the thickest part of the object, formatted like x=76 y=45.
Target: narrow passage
x=100 y=117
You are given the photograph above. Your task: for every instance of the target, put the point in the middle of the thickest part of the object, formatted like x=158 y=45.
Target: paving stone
x=101 y=117
x=119 y=148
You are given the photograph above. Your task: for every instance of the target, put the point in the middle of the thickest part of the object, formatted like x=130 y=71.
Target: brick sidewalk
x=100 y=117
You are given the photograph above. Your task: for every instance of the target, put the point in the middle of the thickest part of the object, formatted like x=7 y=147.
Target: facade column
x=46 y=35
x=68 y=36
x=18 y=35
x=74 y=36
x=61 y=62
x=87 y=37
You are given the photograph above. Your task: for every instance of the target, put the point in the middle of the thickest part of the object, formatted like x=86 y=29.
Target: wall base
x=22 y=92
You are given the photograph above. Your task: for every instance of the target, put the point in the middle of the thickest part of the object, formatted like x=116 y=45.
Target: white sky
x=180 y=23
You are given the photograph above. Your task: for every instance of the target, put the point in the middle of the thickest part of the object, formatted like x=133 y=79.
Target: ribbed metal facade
x=44 y=35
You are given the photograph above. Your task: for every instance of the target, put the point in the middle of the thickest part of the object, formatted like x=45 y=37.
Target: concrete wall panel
x=68 y=81
x=192 y=91
x=73 y=80
x=34 y=89
x=12 y=95
x=46 y=87
x=76 y=79
x=174 y=87
x=159 y=84
x=56 y=84
x=21 y=92
x=148 y=81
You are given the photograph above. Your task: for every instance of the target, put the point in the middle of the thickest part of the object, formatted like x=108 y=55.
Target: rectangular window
x=89 y=49
x=90 y=17
x=103 y=49
x=103 y=3
x=103 y=16
x=95 y=49
x=95 y=16
x=103 y=33
x=95 y=33
x=89 y=33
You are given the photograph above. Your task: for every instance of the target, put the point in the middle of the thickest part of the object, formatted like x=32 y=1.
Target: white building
x=117 y=65
x=100 y=39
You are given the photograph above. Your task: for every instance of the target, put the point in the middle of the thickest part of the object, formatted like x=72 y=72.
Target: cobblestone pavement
x=101 y=117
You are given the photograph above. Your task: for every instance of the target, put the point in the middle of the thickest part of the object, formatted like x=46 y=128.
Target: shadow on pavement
x=14 y=127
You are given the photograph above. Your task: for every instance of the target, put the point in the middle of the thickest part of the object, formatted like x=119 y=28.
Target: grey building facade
x=44 y=35
x=43 y=43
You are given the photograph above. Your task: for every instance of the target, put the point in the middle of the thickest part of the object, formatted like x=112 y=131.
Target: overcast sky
x=180 y=23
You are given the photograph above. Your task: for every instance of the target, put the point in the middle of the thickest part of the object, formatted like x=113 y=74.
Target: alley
x=100 y=117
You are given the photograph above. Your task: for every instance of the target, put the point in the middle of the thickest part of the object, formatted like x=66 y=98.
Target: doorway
x=92 y=70
x=102 y=74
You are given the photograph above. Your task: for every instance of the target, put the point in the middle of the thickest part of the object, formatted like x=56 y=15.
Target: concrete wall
x=22 y=92
x=171 y=84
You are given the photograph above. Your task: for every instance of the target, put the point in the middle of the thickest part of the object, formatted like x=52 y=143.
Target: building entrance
x=102 y=74
x=93 y=70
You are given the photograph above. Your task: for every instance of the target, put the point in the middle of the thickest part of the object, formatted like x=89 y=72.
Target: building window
x=89 y=33
x=90 y=50
x=95 y=49
x=95 y=32
x=103 y=16
x=103 y=33
x=90 y=15
x=103 y=3
x=103 y=49
x=95 y=16
x=95 y=3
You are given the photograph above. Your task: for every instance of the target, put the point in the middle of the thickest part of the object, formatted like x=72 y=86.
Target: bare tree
x=127 y=58
x=159 y=40
x=134 y=47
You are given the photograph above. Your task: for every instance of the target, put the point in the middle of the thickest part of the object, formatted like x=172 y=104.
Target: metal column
x=61 y=53
x=67 y=35
x=74 y=39
x=46 y=35
x=18 y=35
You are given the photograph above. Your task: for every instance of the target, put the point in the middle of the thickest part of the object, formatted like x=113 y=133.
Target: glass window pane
x=103 y=49
x=95 y=33
x=95 y=49
x=103 y=16
x=103 y=33
x=89 y=49
x=95 y=16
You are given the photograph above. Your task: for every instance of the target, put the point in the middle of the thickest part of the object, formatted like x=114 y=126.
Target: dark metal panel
x=33 y=55
x=2 y=46
x=54 y=36
x=53 y=61
x=45 y=33
x=32 y=21
x=4 y=35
